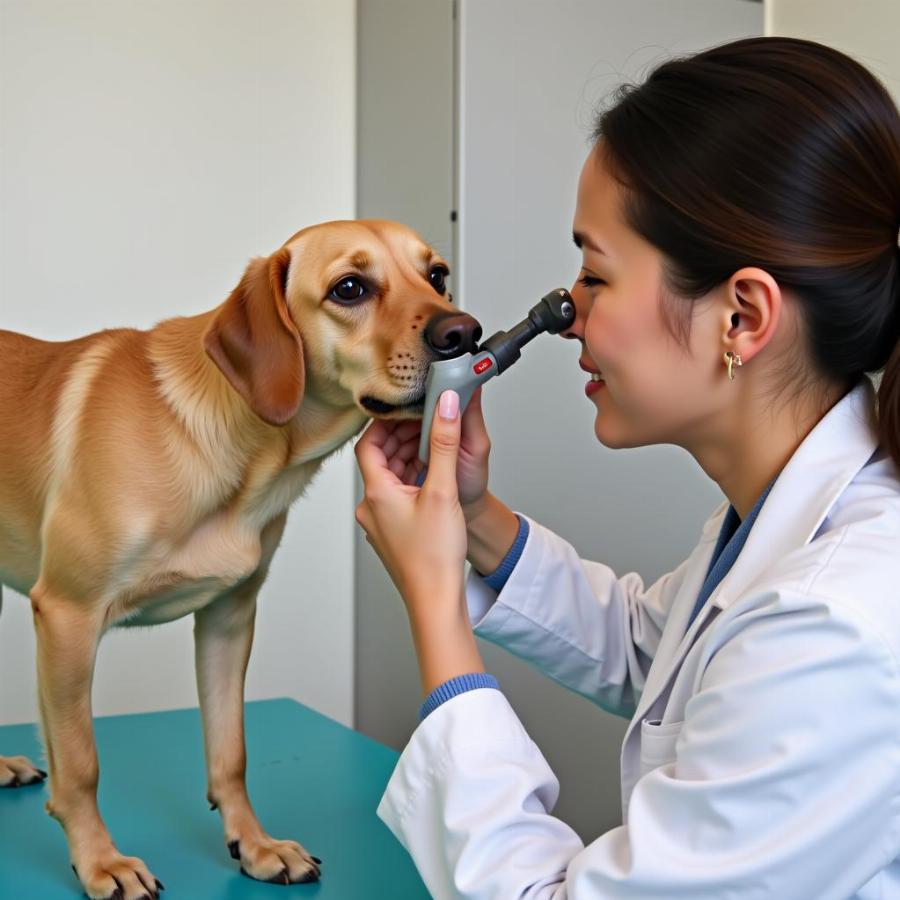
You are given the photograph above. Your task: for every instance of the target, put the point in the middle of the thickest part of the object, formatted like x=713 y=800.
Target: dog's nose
x=452 y=334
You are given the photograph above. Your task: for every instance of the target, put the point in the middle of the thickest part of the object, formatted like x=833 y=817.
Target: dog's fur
x=146 y=475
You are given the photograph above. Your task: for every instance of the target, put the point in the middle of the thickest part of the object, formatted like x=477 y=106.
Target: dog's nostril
x=451 y=334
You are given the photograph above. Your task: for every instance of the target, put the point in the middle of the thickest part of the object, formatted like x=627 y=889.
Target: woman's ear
x=753 y=312
x=256 y=345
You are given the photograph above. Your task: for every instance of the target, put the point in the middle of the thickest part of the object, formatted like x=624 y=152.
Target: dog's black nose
x=452 y=334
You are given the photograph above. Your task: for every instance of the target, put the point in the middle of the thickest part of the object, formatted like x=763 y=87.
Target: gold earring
x=732 y=360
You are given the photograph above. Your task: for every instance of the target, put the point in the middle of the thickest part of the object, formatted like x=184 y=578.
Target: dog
x=147 y=475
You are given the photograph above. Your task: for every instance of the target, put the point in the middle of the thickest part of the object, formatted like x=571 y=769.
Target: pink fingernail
x=448 y=408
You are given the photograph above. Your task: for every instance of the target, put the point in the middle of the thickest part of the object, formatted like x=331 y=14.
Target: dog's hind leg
x=16 y=771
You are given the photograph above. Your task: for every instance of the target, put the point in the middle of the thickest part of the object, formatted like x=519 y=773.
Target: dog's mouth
x=382 y=408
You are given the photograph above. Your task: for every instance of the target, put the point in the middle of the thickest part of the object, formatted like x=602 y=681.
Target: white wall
x=868 y=30
x=147 y=151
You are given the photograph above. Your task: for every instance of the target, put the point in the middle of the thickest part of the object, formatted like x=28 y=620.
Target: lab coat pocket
x=658 y=743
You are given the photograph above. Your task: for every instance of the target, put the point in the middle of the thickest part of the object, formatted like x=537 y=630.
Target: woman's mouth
x=595 y=384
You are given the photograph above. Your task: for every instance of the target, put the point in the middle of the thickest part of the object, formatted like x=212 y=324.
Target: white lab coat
x=763 y=755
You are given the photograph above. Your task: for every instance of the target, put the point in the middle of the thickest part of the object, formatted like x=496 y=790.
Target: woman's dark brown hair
x=782 y=154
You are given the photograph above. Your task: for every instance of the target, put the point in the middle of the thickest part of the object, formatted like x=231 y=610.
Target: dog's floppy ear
x=255 y=343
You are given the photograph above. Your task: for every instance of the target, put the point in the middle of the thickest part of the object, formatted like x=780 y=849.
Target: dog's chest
x=178 y=580
x=217 y=556
x=173 y=603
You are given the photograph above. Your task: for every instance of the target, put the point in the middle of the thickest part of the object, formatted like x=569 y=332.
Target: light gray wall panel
x=532 y=74
x=529 y=77
x=404 y=172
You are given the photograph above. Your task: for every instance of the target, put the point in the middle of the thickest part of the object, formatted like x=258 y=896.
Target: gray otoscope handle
x=463 y=375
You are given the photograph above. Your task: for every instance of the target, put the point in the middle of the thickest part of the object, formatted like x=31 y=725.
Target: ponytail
x=889 y=389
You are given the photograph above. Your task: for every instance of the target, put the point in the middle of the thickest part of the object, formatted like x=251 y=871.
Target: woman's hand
x=401 y=449
x=472 y=462
x=419 y=533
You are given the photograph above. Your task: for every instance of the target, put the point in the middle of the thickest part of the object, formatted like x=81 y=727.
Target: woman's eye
x=590 y=281
x=347 y=290
x=437 y=278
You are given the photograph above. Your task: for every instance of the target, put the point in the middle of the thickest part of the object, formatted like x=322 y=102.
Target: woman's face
x=653 y=390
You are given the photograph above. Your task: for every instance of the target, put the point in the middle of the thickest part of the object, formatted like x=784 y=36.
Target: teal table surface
x=310 y=779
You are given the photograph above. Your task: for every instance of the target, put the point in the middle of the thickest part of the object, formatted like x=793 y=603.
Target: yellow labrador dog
x=147 y=475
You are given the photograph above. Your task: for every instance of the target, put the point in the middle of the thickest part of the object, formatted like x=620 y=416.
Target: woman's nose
x=582 y=308
x=451 y=334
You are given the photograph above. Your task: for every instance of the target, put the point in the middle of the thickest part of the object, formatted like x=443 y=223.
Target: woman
x=738 y=216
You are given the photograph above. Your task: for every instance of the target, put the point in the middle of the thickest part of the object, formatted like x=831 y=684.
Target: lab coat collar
x=823 y=465
x=827 y=460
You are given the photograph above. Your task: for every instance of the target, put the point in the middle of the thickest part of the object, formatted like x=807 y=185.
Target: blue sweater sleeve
x=455 y=686
x=498 y=578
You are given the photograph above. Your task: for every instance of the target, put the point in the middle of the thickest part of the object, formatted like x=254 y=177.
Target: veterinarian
x=738 y=215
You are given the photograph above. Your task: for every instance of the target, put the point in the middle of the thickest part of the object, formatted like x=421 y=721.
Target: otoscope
x=554 y=312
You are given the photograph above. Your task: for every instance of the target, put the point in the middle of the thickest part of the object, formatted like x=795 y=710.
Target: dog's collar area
x=380 y=408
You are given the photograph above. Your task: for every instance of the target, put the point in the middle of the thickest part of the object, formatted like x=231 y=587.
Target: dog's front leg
x=68 y=633
x=223 y=634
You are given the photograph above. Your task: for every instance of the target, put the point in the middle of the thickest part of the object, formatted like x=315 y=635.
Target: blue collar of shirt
x=732 y=537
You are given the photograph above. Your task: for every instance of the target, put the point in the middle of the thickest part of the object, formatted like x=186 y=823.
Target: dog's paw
x=110 y=876
x=279 y=862
x=16 y=771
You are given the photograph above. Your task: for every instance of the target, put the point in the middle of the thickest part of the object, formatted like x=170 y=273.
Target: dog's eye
x=436 y=276
x=347 y=290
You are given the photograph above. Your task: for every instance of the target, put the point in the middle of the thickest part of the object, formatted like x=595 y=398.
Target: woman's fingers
x=401 y=437
x=397 y=466
x=408 y=451
x=371 y=457
x=388 y=452
x=412 y=471
x=445 y=435
x=401 y=444
x=389 y=448
x=473 y=418
x=474 y=432
x=406 y=465
x=399 y=433
x=408 y=428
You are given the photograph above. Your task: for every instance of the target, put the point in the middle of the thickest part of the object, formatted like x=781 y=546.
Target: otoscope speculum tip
x=555 y=311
